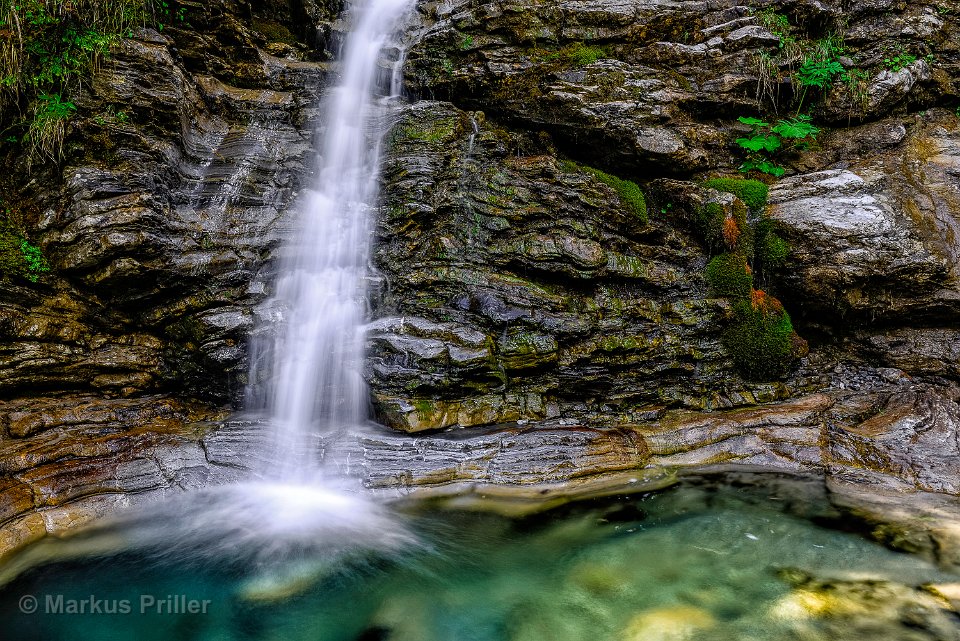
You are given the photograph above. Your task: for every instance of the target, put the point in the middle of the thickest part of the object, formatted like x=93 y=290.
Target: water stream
x=290 y=524
x=315 y=360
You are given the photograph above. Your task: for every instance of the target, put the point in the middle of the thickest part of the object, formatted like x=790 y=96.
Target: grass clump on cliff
x=47 y=48
x=752 y=192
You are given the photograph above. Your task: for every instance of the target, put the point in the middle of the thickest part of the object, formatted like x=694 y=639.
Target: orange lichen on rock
x=731 y=232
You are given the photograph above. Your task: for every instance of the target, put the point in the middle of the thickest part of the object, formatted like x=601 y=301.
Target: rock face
x=525 y=288
x=189 y=147
x=522 y=288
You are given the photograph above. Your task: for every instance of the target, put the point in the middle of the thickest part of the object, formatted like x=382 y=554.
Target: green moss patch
x=579 y=54
x=772 y=251
x=629 y=192
x=729 y=276
x=752 y=192
x=760 y=341
x=18 y=258
x=430 y=131
x=709 y=222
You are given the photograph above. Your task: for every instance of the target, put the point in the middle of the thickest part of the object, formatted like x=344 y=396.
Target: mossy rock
x=760 y=340
x=629 y=192
x=709 y=222
x=729 y=276
x=274 y=31
x=752 y=192
x=425 y=131
x=774 y=251
x=18 y=258
x=771 y=250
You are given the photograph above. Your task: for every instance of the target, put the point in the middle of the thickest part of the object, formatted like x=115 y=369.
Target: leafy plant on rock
x=898 y=57
x=18 y=257
x=817 y=73
x=765 y=140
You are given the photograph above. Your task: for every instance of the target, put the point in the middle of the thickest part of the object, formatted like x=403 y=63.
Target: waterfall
x=315 y=382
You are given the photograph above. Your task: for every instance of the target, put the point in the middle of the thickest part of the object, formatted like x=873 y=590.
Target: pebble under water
x=694 y=562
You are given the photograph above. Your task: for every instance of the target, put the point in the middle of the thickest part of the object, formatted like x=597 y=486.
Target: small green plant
x=898 y=59
x=18 y=257
x=753 y=193
x=779 y=25
x=167 y=15
x=817 y=73
x=766 y=139
x=583 y=55
x=48 y=127
x=35 y=262
x=857 y=84
x=466 y=42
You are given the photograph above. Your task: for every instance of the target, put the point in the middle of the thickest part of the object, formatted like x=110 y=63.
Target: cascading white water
x=287 y=528
x=315 y=383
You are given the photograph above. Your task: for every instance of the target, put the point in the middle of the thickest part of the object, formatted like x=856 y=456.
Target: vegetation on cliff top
x=47 y=49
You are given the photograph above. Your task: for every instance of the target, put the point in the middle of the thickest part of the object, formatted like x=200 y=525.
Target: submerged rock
x=677 y=623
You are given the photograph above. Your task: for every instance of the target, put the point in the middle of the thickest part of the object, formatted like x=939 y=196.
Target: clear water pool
x=695 y=562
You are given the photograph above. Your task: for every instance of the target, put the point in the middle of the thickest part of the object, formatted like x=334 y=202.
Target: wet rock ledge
x=890 y=459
